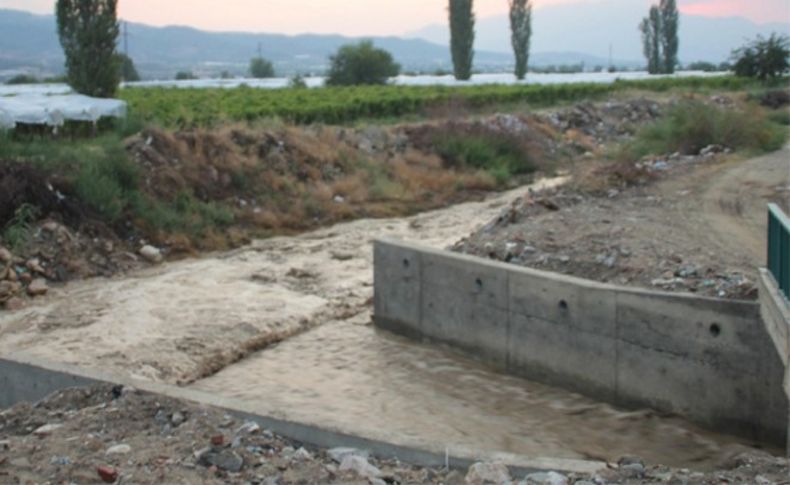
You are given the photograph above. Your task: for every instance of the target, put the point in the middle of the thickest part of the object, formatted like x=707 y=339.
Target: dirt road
x=735 y=197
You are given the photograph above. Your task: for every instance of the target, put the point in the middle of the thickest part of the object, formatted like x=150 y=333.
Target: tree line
x=89 y=30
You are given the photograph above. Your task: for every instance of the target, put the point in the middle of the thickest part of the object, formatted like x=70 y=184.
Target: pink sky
x=360 y=17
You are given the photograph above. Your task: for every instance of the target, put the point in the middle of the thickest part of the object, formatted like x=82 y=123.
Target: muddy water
x=188 y=320
x=351 y=377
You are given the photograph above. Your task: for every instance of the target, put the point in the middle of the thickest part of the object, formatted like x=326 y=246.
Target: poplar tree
x=669 y=34
x=651 y=40
x=88 y=31
x=521 y=33
x=462 y=37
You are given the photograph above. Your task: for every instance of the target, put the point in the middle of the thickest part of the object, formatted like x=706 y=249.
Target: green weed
x=18 y=230
x=691 y=126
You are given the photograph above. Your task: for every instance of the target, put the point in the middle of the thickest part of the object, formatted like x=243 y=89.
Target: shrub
x=498 y=155
x=22 y=79
x=128 y=70
x=107 y=183
x=691 y=126
x=360 y=64
x=703 y=66
x=261 y=68
x=297 y=82
x=185 y=76
x=17 y=231
x=763 y=58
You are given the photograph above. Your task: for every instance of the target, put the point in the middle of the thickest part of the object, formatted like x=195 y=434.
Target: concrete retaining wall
x=708 y=360
x=775 y=311
x=26 y=379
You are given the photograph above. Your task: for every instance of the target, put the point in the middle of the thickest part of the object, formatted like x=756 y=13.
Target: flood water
x=354 y=378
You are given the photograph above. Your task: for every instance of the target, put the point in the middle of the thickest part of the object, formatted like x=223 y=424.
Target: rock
x=21 y=462
x=46 y=430
x=488 y=474
x=545 y=478
x=11 y=275
x=341 y=256
x=38 y=287
x=687 y=271
x=5 y=255
x=60 y=460
x=633 y=470
x=8 y=289
x=302 y=455
x=226 y=460
x=177 y=419
x=107 y=474
x=229 y=461
x=632 y=466
x=118 y=450
x=339 y=454
x=218 y=440
x=454 y=478
x=151 y=254
x=359 y=465
x=34 y=265
x=250 y=427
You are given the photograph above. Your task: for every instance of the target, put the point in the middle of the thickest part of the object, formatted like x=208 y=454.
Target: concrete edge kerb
x=25 y=378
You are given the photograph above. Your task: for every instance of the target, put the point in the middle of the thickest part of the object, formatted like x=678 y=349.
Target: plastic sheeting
x=54 y=110
x=403 y=80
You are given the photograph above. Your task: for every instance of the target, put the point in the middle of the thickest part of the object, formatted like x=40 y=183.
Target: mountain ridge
x=161 y=51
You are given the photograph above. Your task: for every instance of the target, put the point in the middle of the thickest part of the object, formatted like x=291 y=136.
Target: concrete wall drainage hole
x=715 y=330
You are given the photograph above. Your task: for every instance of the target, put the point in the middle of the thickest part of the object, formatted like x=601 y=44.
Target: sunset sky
x=361 y=17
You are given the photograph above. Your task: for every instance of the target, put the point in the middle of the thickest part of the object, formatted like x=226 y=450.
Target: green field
x=184 y=108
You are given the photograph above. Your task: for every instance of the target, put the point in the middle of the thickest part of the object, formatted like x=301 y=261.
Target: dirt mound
x=649 y=224
x=47 y=235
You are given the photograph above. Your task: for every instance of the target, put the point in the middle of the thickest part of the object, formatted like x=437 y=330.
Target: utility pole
x=611 y=62
x=125 y=39
x=260 y=51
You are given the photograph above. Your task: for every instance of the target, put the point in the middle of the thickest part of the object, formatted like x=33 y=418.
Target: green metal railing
x=779 y=247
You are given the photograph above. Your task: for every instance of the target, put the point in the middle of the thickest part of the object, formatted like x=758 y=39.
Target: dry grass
x=287 y=179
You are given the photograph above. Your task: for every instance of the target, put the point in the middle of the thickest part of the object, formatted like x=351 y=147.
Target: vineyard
x=186 y=108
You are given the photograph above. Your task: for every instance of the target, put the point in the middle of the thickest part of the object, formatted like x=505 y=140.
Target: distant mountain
x=592 y=27
x=29 y=41
x=564 y=34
